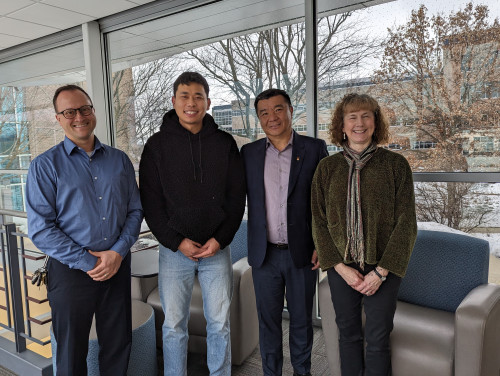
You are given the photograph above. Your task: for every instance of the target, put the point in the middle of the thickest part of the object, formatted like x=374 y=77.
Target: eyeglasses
x=70 y=113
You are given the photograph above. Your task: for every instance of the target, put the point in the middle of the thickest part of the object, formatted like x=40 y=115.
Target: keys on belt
x=278 y=246
x=40 y=275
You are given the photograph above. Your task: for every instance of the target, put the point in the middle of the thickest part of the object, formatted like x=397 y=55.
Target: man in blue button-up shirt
x=84 y=212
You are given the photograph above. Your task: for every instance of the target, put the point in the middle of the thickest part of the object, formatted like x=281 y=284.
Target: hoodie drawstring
x=201 y=168
x=192 y=158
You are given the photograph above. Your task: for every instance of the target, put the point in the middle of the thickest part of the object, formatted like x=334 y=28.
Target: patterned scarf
x=355 y=239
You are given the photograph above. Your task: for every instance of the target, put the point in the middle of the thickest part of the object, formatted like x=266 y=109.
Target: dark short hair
x=68 y=88
x=187 y=78
x=269 y=93
x=356 y=102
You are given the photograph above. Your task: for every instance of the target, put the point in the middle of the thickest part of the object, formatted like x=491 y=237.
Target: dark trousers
x=379 y=311
x=276 y=278
x=74 y=298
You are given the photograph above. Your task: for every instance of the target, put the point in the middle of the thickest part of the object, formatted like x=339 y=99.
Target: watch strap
x=382 y=278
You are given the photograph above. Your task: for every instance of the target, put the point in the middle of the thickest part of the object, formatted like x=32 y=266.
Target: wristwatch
x=382 y=278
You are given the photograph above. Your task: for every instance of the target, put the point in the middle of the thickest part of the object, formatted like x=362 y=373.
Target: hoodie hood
x=171 y=124
x=171 y=127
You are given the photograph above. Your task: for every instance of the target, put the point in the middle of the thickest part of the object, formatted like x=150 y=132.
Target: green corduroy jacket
x=387 y=205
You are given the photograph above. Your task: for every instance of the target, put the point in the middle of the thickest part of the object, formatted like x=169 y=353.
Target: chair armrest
x=244 y=320
x=477 y=323
x=142 y=287
x=330 y=329
x=240 y=267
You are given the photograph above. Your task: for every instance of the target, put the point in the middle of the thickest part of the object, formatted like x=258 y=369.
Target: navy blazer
x=306 y=154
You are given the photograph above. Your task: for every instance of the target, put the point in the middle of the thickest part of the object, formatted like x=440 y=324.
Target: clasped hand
x=367 y=285
x=108 y=263
x=194 y=250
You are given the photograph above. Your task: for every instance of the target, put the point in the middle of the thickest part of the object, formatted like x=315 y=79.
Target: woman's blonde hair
x=356 y=102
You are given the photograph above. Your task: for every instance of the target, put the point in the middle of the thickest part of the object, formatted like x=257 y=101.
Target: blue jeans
x=175 y=281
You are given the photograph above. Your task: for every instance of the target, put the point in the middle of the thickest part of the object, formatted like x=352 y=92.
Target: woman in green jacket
x=364 y=228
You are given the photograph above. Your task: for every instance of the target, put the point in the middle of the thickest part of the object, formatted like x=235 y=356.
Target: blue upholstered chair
x=447 y=320
x=244 y=321
x=239 y=248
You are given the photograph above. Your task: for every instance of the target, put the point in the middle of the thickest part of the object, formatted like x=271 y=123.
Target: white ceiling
x=25 y=20
x=200 y=26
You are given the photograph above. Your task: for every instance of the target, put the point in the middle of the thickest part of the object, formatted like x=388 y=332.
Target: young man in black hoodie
x=192 y=188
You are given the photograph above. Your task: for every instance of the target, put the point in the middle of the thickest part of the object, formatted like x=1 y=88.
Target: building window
x=424 y=145
x=483 y=144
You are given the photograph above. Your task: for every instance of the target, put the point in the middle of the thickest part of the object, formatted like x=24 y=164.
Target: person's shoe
x=301 y=374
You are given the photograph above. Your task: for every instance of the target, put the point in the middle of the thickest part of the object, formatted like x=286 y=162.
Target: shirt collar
x=290 y=141
x=69 y=145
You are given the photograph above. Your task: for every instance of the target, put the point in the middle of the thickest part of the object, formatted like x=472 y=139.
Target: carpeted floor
x=253 y=365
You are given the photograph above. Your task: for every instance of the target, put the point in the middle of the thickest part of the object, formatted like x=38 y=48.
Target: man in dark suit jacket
x=279 y=171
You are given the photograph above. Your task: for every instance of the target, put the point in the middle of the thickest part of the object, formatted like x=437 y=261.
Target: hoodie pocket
x=197 y=223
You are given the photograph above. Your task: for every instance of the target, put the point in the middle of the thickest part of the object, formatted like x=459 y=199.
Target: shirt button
x=105 y=238
x=90 y=159
x=100 y=198
x=103 y=218
x=281 y=205
x=95 y=177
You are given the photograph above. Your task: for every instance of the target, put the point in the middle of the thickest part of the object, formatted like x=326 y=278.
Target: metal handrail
x=13 y=213
x=16 y=286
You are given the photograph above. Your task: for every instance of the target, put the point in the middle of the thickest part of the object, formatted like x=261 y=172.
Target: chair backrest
x=238 y=246
x=444 y=267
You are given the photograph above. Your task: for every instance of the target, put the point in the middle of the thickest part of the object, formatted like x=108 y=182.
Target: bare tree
x=457 y=205
x=141 y=96
x=439 y=71
x=248 y=64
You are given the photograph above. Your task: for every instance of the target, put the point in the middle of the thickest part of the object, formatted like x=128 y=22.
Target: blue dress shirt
x=77 y=203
